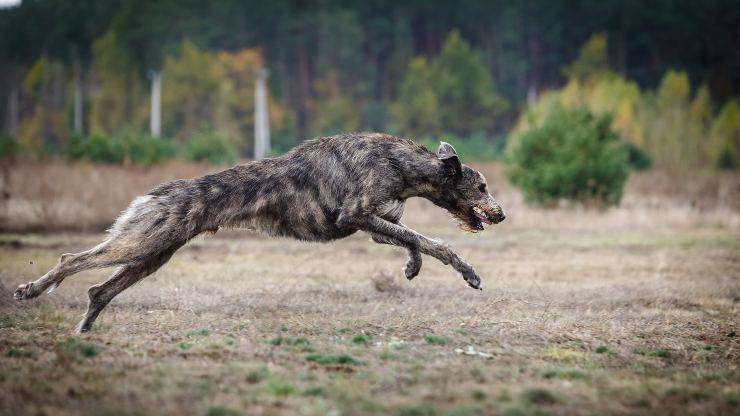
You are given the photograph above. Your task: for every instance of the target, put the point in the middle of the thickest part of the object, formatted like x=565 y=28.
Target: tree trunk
x=261 y=119
x=13 y=111
x=78 y=87
x=155 y=114
x=304 y=88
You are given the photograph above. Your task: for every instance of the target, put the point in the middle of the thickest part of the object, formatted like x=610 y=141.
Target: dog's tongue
x=483 y=218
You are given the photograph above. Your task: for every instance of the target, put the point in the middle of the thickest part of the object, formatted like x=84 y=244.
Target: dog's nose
x=501 y=216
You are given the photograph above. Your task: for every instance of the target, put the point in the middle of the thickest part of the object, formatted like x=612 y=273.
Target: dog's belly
x=318 y=224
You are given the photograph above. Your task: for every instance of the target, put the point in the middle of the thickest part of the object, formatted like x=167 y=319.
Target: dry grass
x=629 y=311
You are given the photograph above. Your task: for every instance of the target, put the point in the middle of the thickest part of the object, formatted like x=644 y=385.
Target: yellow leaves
x=334 y=112
x=35 y=76
x=669 y=124
x=724 y=136
x=674 y=89
x=214 y=88
x=592 y=62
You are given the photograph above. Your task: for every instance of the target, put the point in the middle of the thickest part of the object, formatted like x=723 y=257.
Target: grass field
x=629 y=311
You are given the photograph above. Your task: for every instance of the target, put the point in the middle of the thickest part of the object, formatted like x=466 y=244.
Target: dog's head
x=464 y=193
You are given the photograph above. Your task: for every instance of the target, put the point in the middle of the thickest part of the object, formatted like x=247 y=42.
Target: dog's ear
x=447 y=154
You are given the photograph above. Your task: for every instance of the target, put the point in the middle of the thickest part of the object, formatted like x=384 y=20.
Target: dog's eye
x=482 y=188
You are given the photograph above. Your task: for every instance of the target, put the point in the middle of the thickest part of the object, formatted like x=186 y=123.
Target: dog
x=324 y=189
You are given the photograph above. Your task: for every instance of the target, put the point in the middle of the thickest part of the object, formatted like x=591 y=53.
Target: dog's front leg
x=413 y=264
x=374 y=224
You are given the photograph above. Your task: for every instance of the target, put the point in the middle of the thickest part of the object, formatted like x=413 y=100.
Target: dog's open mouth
x=473 y=220
x=481 y=216
x=478 y=217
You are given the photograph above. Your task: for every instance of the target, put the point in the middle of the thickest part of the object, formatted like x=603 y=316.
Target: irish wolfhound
x=322 y=190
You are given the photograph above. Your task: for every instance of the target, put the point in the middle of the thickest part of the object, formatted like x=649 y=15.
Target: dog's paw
x=411 y=269
x=82 y=327
x=410 y=272
x=472 y=279
x=25 y=291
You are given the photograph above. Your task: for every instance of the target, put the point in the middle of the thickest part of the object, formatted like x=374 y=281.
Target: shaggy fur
x=324 y=189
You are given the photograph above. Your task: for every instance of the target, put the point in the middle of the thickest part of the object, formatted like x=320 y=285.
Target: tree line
x=426 y=69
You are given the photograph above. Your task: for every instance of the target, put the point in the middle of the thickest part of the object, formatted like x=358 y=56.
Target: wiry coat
x=322 y=190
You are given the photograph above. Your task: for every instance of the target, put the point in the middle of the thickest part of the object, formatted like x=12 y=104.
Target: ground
x=628 y=311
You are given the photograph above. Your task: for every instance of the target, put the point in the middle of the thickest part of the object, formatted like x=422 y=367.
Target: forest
x=76 y=76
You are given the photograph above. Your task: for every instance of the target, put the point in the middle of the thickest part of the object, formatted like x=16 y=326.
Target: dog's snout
x=499 y=215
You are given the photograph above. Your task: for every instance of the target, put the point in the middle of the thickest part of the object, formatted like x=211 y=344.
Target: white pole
x=78 y=101
x=261 y=117
x=13 y=110
x=155 y=115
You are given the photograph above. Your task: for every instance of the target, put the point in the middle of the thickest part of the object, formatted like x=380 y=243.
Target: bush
x=637 y=158
x=97 y=148
x=725 y=160
x=148 y=150
x=573 y=155
x=138 y=149
x=8 y=146
x=209 y=145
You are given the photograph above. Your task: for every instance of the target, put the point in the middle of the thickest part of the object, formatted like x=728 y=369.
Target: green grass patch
x=563 y=374
x=538 y=396
x=465 y=411
x=203 y=332
x=278 y=387
x=437 y=340
x=290 y=341
x=603 y=349
x=361 y=339
x=185 y=345
x=20 y=353
x=387 y=355
x=76 y=348
x=221 y=411
x=417 y=410
x=333 y=359
x=257 y=375
x=315 y=391
x=687 y=395
x=564 y=355
x=660 y=354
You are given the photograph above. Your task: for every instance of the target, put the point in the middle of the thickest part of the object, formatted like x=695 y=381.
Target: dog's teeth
x=478 y=210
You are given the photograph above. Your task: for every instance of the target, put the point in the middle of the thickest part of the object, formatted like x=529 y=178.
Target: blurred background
x=608 y=130
x=146 y=83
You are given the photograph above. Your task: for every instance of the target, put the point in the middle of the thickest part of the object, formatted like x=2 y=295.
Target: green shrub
x=637 y=158
x=209 y=145
x=8 y=146
x=437 y=340
x=97 y=148
x=138 y=149
x=725 y=160
x=333 y=359
x=574 y=156
x=76 y=348
x=148 y=150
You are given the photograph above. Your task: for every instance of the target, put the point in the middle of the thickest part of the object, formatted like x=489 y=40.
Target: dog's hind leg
x=100 y=295
x=413 y=264
x=104 y=254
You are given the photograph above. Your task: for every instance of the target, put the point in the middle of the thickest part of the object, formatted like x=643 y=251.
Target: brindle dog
x=324 y=189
